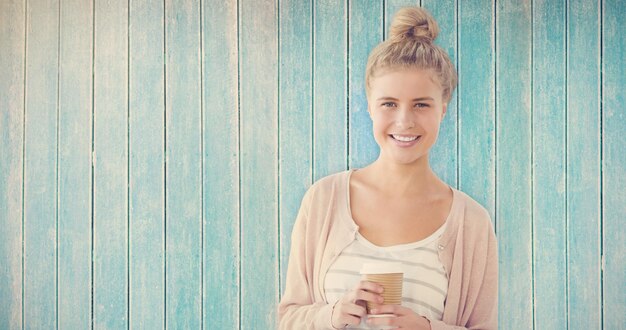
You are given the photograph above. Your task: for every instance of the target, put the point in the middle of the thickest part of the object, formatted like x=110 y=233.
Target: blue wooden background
x=153 y=154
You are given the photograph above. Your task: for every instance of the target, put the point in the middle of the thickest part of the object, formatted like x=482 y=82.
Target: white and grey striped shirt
x=425 y=281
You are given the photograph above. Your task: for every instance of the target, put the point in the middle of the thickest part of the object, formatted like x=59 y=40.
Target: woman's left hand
x=404 y=318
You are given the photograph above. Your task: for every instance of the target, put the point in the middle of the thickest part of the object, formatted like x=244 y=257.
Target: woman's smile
x=405 y=141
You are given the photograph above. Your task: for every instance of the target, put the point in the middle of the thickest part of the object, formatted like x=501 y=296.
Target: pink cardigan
x=324 y=227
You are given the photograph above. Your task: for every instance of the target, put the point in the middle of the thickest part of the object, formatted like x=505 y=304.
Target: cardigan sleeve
x=481 y=306
x=296 y=309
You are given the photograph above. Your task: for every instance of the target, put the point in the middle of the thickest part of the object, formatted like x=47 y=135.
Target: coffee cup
x=387 y=274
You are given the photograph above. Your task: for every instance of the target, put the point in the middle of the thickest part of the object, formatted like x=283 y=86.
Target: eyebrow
x=389 y=98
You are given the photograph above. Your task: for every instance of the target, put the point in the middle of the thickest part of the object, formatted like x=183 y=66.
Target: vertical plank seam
x=24 y=146
x=128 y=154
x=347 y=13
x=239 y=157
x=458 y=93
x=278 y=167
x=201 y=59
x=91 y=160
x=164 y=166
x=384 y=20
x=601 y=110
x=312 y=57
x=532 y=162
x=566 y=164
x=56 y=174
x=494 y=26
x=566 y=110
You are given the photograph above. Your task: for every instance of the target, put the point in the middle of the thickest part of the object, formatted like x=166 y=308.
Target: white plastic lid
x=382 y=268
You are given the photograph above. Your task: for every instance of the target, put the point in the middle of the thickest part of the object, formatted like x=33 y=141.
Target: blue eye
x=388 y=105
x=422 y=105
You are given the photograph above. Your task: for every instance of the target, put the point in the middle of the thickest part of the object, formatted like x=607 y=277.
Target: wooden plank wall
x=153 y=154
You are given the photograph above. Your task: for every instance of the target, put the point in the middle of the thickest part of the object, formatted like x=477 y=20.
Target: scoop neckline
x=441 y=229
x=403 y=246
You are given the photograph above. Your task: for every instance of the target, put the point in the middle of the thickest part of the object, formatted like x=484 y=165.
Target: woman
x=395 y=209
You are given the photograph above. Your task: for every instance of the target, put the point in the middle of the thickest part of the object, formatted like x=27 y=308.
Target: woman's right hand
x=351 y=307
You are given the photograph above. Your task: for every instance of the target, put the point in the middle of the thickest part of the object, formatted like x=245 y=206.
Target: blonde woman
x=395 y=209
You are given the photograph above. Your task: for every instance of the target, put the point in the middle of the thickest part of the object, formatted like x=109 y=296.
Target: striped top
x=425 y=281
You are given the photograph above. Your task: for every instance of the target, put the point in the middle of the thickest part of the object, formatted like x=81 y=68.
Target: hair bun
x=413 y=23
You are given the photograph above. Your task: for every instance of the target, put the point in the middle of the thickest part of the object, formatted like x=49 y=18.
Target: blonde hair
x=410 y=45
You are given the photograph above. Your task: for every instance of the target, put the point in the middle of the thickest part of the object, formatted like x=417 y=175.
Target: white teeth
x=404 y=138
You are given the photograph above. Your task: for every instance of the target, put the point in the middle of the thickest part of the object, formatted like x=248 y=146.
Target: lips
x=404 y=138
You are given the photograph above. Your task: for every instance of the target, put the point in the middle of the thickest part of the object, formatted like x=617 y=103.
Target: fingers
x=390 y=309
x=351 y=307
x=347 y=313
x=370 y=286
x=368 y=291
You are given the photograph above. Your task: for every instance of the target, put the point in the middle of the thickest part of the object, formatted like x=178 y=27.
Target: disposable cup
x=390 y=276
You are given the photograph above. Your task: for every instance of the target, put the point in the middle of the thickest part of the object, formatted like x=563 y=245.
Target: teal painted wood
x=613 y=164
x=572 y=285
x=146 y=166
x=365 y=31
x=12 y=57
x=477 y=102
x=549 y=213
x=183 y=132
x=74 y=170
x=110 y=191
x=443 y=155
x=295 y=120
x=513 y=162
x=40 y=163
x=330 y=115
x=583 y=166
x=258 y=163
x=221 y=170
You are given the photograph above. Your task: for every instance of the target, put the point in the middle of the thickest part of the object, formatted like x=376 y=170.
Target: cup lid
x=381 y=268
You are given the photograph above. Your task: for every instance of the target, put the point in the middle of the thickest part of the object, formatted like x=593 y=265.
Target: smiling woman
x=397 y=210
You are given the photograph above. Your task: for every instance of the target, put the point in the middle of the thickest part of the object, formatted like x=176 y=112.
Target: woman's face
x=406 y=108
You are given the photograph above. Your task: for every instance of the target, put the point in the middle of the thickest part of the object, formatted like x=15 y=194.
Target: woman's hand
x=404 y=318
x=351 y=307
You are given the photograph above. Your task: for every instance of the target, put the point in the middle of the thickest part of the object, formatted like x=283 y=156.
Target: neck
x=404 y=179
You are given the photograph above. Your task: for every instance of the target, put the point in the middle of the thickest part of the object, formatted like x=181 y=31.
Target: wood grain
x=330 y=95
x=12 y=58
x=365 y=31
x=549 y=176
x=110 y=191
x=146 y=165
x=40 y=165
x=295 y=117
x=259 y=163
x=183 y=133
x=583 y=165
x=613 y=123
x=74 y=170
x=221 y=165
x=477 y=144
x=513 y=162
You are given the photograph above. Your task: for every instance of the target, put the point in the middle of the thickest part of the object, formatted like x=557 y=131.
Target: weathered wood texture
x=220 y=157
x=153 y=154
x=12 y=89
x=146 y=167
x=74 y=168
x=548 y=134
x=110 y=169
x=183 y=166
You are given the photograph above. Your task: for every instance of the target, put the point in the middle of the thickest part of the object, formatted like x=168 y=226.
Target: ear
x=444 y=109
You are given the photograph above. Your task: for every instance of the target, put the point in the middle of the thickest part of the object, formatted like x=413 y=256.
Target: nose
x=404 y=118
